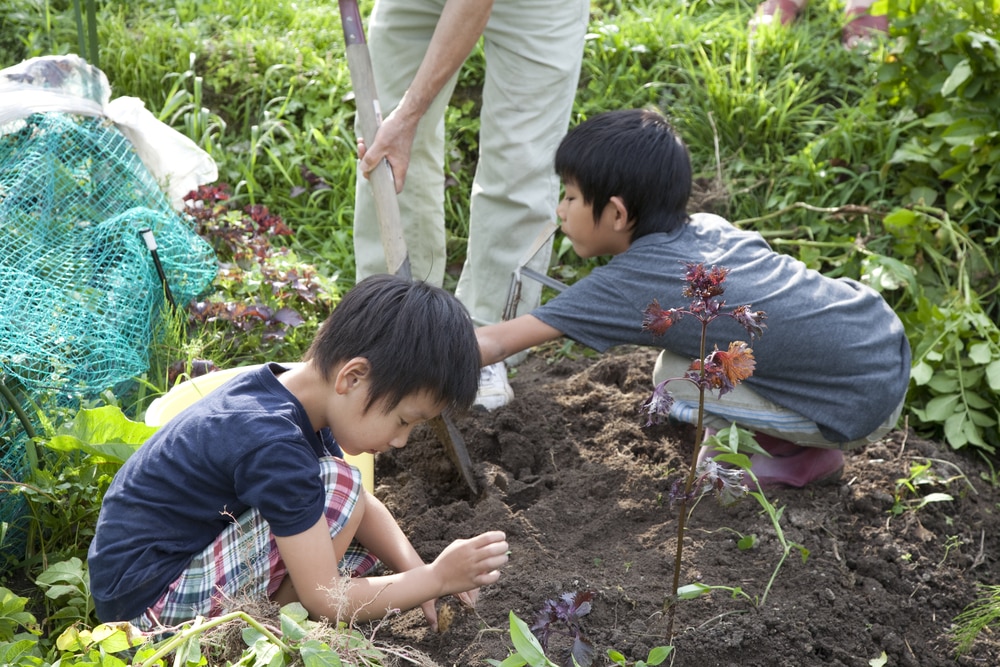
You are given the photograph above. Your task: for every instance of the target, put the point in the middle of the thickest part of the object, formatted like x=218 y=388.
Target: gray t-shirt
x=833 y=351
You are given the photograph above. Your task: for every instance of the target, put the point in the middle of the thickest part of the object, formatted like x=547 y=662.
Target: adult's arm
x=458 y=29
x=501 y=340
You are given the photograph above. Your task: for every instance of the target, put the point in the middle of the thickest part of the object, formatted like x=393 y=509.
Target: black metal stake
x=147 y=236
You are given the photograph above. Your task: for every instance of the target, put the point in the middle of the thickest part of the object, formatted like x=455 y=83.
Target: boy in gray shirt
x=832 y=368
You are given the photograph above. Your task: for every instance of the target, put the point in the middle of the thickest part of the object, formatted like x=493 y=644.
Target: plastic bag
x=69 y=84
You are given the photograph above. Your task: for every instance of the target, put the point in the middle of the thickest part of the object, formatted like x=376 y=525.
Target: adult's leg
x=862 y=26
x=533 y=52
x=399 y=32
x=776 y=11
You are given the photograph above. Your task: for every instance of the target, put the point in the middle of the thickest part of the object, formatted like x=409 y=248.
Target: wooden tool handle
x=369 y=118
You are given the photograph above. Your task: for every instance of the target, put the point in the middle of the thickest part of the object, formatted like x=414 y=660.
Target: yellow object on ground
x=162 y=409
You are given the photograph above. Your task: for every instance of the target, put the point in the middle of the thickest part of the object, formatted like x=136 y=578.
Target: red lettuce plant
x=718 y=370
x=263 y=293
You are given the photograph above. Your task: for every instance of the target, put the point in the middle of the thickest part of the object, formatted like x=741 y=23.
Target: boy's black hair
x=416 y=337
x=633 y=154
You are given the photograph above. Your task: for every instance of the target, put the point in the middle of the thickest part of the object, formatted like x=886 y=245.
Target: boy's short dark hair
x=416 y=337
x=633 y=154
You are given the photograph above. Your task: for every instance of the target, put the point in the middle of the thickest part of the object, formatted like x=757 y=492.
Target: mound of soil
x=580 y=487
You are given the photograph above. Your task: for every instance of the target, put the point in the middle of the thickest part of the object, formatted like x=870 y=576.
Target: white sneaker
x=494 y=390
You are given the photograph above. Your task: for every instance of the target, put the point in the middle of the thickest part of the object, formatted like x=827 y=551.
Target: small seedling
x=744 y=542
x=563 y=617
x=720 y=371
x=920 y=475
x=657 y=655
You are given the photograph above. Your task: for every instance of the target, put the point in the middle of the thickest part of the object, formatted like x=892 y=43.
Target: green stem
x=200 y=625
x=773 y=515
x=30 y=450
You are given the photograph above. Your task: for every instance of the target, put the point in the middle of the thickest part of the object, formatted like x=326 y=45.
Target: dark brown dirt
x=580 y=488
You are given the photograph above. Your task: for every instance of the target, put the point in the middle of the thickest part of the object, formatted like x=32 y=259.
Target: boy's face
x=577 y=217
x=374 y=431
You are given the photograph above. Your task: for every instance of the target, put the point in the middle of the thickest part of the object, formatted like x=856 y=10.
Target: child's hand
x=465 y=565
x=469 y=598
x=430 y=613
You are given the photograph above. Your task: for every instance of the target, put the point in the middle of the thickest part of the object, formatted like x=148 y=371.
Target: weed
x=908 y=494
x=975 y=618
x=656 y=655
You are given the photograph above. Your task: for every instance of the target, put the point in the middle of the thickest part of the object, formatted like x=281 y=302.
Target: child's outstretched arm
x=501 y=340
x=312 y=567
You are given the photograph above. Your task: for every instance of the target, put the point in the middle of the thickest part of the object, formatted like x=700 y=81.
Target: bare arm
x=458 y=29
x=499 y=341
x=381 y=535
x=312 y=567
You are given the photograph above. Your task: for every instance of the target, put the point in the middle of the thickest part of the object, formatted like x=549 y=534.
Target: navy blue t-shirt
x=247 y=444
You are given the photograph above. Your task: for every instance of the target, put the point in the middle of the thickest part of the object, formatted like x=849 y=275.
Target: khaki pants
x=533 y=50
x=749 y=410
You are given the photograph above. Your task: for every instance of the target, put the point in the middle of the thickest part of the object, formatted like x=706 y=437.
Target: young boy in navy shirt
x=244 y=493
x=833 y=366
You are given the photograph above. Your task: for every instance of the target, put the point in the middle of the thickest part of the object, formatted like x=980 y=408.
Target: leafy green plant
x=14 y=617
x=63 y=493
x=956 y=345
x=942 y=81
x=291 y=638
x=18 y=631
x=67 y=588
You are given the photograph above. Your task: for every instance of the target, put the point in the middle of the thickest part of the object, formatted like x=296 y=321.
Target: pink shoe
x=770 y=11
x=789 y=465
x=809 y=465
x=862 y=27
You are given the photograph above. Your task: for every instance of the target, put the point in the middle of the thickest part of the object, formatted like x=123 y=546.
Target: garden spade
x=386 y=205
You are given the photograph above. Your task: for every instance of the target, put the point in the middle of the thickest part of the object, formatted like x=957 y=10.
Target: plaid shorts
x=244 y=559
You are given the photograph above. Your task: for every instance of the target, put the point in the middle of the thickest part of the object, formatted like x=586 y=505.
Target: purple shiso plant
x=718 y=370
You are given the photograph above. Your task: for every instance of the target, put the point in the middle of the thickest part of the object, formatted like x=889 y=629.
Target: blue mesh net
x=80 y=294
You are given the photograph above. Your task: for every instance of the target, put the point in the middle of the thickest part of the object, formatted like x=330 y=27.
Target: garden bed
x=580 y=487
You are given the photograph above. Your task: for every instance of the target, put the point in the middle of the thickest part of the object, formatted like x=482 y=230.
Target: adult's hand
x=459 y=27
x=393 y=142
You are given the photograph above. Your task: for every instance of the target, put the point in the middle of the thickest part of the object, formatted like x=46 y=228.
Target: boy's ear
x=621 y=221
x=351 y=375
